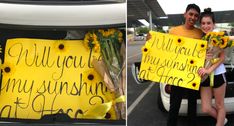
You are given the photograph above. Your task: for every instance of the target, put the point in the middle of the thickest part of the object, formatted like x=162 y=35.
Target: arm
x=204 y=71
x=231 y=37
x=148 y=37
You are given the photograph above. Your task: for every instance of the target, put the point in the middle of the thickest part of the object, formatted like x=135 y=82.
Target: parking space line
x=136 y=102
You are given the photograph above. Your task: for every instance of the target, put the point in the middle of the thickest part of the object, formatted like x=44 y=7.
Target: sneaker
x=225 y=121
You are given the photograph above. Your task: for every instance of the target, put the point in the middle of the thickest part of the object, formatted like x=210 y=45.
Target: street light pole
x=149 y=13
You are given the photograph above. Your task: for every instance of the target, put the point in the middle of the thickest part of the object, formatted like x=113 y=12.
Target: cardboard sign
x=173 y=60
x=43 y=77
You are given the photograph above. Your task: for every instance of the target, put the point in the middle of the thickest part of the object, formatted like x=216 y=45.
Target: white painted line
x=136 y=102
x=134 y=55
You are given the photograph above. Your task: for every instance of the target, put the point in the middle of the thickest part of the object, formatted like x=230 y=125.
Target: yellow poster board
x=173 y=60
x=43 y=77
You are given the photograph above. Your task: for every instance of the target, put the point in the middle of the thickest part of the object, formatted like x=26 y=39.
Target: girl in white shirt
x=207 y=22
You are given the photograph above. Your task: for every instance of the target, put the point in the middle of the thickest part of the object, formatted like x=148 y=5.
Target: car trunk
x=54 y=33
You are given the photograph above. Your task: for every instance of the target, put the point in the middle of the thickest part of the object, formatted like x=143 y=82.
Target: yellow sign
x=43 y=77
x=173 y=60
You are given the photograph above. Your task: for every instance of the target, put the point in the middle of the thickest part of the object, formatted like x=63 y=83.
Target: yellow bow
x=99 y=111
x=215 y=60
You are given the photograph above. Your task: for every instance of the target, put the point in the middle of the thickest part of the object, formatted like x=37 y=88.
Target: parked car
x=140 y=37
x=63 y=13
x=164 y=96
x=58 y=20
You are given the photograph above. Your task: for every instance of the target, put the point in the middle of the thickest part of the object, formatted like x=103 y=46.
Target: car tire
x=135 y=68
x=160 y=104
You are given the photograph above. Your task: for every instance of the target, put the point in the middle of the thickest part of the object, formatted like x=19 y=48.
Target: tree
x=142 y=30
x=231 y=24
x=160 y=29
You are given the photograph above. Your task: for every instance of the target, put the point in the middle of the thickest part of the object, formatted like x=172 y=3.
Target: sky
x=179 y=6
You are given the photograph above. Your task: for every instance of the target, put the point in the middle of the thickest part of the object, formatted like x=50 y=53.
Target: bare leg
x=219 y=94
x=206 y=102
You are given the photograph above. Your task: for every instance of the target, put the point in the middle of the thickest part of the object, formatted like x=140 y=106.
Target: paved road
x=142 y=99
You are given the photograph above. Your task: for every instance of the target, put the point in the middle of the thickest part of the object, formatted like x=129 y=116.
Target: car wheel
x=135 y=68
x=160 y=104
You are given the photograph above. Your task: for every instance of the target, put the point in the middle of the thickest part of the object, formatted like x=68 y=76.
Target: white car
x=63 y=13
x=139 y=38
x=164 y=91
x=164 y=99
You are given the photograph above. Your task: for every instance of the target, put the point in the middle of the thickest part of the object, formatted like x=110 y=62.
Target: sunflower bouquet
x=109 y=42
x=217 y=41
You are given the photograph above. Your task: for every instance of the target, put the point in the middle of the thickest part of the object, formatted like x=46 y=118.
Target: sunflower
x=96 y=46
x=90 y=76
x=194 y=84
x=144 y=50
x=203 y=46
x=111 y=31
x=192 y=62
x=207 y=36
x=120 y=39
x=8 y=69
x=120 y=36
x=221 y=33
x=179 y=41
x=216 y=33
x=106 y=33
x=101 y=31
x=86 y=44
x=224 y=42
x=60 y=46
x=210 y=34
x=91 y=42
x=214 y=41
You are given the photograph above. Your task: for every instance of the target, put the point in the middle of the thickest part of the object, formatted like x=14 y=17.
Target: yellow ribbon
x=99 y=111
x=213 y=61
x=212 y=79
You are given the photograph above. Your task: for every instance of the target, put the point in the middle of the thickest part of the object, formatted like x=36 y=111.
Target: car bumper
x=62 y=15
x=229 y=105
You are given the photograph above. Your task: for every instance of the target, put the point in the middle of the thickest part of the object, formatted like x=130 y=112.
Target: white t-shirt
x=220 y=69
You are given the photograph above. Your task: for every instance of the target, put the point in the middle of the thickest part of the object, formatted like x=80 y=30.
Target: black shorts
x=219 y=80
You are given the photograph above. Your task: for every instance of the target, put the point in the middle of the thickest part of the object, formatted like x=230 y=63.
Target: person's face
x=191 y=16
x=207 y=25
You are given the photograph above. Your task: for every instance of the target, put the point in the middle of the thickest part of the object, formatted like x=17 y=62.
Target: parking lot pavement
x=147 y=113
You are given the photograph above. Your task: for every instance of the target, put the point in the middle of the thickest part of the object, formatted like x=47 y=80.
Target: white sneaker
x=225 y=121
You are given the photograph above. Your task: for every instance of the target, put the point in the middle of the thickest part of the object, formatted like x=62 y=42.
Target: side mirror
x=135 y=71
